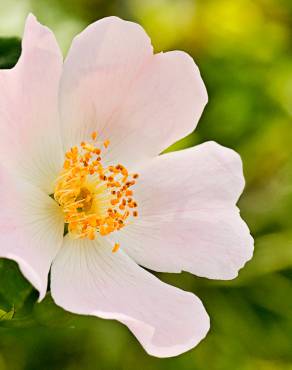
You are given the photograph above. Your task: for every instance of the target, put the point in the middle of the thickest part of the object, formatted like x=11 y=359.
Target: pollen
x=106 y=143
x=94 y=135
x=95 y=199
x=116 y=247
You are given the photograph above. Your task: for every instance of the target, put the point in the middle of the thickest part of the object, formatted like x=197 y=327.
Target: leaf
x=14 y=288
x=7 y=315
x=273 y=253
x=10 y=49
x=49 y=314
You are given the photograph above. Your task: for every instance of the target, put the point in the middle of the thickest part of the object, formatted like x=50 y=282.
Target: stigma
x=95 y=199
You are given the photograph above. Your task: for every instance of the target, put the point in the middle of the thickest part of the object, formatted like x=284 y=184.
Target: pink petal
x=188 y=219
x=87 y=278
x=31 y=228
x=112 y=83
x=29 y=131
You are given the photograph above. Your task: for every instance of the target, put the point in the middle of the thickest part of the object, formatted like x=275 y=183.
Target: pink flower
x=80 y=144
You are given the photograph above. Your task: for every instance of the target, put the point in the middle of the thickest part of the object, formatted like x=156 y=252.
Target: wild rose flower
x=79 y=147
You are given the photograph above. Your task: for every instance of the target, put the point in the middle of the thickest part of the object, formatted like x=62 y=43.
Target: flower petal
x=187 y=214
x=87 y=278
x=142 y=103
x=31 y=228
x=30 y=140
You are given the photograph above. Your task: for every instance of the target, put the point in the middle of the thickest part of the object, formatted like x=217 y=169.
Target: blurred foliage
x=243 y=49
x=10 y=49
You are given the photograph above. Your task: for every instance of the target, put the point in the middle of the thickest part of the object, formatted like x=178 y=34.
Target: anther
x=82 y=178
x=94 y=135
x=116 y=247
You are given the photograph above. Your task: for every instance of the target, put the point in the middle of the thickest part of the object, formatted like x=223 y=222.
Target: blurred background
x=243 y=49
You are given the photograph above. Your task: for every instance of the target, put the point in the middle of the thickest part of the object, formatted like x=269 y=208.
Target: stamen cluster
x=94 y=198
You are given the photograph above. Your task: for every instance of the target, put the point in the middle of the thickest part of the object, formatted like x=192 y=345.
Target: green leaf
x=49 y=314
x=273 y=253
x=14 y=288
x=10 y=49
x=7 y=315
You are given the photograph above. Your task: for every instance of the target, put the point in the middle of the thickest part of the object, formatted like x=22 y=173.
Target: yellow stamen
x=94 y=199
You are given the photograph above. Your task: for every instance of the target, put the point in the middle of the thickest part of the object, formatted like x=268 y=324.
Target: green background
x=243 y=49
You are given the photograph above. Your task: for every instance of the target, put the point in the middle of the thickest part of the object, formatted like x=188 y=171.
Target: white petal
x=188 y=219
x=31 y=228
x=142 y=103
x=29 y=124
x=87 y=278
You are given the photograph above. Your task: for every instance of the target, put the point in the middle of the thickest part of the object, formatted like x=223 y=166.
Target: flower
x=79 y=146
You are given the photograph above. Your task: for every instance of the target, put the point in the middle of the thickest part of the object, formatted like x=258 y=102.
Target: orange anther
x=106 y=143
x=66 y=165
x=116 y=247
x=114 y=201
x=91 y=234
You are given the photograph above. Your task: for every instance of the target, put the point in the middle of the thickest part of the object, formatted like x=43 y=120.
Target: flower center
x=94 y=198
